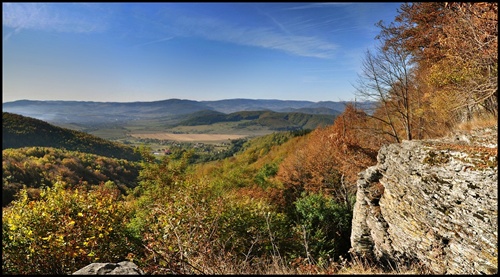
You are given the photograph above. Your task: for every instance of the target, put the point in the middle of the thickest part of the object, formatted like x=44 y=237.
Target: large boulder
x=434 y=202
x=121 y=268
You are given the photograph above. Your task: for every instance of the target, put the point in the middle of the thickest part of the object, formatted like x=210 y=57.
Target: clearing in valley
x=189 y=137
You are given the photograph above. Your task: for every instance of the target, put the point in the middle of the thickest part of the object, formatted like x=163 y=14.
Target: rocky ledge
x=434 y=202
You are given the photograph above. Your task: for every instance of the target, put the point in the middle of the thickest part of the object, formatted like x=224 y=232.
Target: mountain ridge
x=91 y=112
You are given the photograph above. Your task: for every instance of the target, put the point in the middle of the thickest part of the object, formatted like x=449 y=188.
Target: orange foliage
x=456 y=47
x=330 y=160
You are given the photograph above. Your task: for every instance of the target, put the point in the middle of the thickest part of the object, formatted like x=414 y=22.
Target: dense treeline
x=273 y=120
x=37 y=167
x=282 y=203
x=21 y=131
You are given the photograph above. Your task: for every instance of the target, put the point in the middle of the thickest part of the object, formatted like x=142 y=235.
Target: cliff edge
x=434 y=202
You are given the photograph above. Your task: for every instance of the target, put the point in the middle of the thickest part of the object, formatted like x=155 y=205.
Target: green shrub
x=324 y=225
x=264 y=173
x=252 y=230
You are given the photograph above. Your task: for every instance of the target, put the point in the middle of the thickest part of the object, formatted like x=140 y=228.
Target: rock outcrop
x=434 y=202
x=121 y=268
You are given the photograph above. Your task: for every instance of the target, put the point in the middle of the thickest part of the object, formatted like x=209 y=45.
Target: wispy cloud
x=281 y=26
x=89 y=18
x=153 y=42
x=318 y=5
x=213 y=29
x=76 y=18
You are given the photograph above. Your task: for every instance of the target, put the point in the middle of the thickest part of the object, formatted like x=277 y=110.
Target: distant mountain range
x=173 y=111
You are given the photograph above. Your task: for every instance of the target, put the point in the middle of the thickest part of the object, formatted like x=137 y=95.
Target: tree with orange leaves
x=330 y=160
x=455 y=49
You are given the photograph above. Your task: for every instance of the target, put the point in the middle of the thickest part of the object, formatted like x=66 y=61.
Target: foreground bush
x=64 y=230
x=325 y=226
x=197 y=231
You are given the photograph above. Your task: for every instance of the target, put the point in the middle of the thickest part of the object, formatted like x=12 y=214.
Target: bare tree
x=387 y=79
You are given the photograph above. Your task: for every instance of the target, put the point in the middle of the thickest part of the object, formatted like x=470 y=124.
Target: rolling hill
x=21 y=131
x=273 y=120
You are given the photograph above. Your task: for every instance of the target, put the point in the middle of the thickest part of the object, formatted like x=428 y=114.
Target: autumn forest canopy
x=278 y=203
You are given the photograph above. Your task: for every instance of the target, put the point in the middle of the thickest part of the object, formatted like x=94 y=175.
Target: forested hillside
x=273 y=120
x=20 y=131
x=41 y=167
x=283 y=203
x=260 y=201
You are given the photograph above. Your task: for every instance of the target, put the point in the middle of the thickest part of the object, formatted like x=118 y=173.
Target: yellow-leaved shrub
x=64 y=230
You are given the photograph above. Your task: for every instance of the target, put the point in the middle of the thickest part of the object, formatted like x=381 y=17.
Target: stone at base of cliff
x=121 y=268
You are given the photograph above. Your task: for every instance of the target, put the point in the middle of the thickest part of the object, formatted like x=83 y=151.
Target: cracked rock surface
x=432 y=201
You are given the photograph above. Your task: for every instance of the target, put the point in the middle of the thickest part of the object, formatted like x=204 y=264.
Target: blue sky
x=126 y=52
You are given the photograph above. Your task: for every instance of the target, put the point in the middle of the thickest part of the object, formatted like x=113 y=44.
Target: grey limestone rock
x=434 y=201
x=121 y=268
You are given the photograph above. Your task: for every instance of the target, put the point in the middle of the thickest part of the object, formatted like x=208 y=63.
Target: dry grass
x=358 y=266
x=225 y=265
x=478 y=123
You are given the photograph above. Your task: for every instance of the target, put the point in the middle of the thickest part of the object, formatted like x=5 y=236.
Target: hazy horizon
x=290 y=100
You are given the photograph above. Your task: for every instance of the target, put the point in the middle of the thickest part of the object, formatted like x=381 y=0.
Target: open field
x=189 y=137
x=216 y=132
